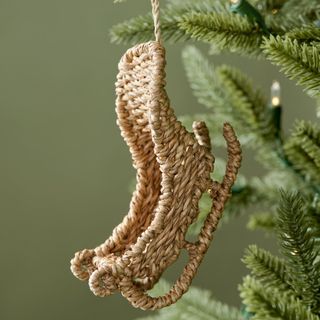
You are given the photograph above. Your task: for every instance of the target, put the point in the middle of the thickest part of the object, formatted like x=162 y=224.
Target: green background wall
x=64 y=169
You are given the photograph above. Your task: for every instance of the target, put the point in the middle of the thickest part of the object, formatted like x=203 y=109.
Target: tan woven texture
x=174 y=169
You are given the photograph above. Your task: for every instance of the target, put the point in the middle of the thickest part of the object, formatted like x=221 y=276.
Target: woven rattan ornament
x=173 y=171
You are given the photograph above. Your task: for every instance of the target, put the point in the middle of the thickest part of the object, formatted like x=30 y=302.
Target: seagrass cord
x=174 y=169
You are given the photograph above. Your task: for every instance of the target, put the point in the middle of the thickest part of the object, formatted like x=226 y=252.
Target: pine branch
x=248 y=193
x=230 y=95
x=313 y=216
x=265 y=6
x=272 y=304
x=298 y=246
x=307 y=34
x=202 y=78
x=308 y=136
x=302 y=163
x=293 y=14
x=196 y=304
x=300 y=62
x=200 y=5
x=268 y=269
x=303 y=151
x=248 y=105
x=208 y=90
x=265 y=221
x=251 y=115
x=303 y=11
x=227 y=31
x=140 y=29
x=281 y=22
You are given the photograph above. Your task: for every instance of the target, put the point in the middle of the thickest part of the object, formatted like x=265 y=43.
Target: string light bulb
x=276 y=109
x=244 y=8
x=275 y=94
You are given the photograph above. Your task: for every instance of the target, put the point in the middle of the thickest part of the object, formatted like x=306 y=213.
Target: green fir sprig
x=227 y=31
x=140 y=28
x=294 y=281
x=267 y=268
x=272 y=304
x=300 y=62
x=298 y=245
x=303 y=151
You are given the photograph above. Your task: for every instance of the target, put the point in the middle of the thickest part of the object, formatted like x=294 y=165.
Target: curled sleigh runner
x=174 y=169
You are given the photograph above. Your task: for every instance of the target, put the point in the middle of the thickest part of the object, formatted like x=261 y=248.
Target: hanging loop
x=156 y=19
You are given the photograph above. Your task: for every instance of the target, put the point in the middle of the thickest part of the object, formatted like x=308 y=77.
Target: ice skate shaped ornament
x=173 y=171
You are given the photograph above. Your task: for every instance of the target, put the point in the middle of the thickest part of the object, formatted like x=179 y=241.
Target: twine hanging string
x=156 y=19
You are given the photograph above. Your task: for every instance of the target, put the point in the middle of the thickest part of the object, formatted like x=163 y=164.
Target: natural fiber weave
x=173 y=171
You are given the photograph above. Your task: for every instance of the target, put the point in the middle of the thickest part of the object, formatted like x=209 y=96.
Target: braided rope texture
x=156 y=19
x=173 y=171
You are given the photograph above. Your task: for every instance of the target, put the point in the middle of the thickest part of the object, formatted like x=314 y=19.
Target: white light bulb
x=275 y=94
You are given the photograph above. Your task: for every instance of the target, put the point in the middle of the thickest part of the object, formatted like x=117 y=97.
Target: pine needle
x=265 y=221
x=227 y=31
x=140 y=28
x=300 y=62
x=298 y=246
x=272 y=304
x=303 y=151
x=267 y=268
x=249 y=105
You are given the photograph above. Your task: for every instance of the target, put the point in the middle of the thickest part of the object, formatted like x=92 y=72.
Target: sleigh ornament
x=174 y=169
